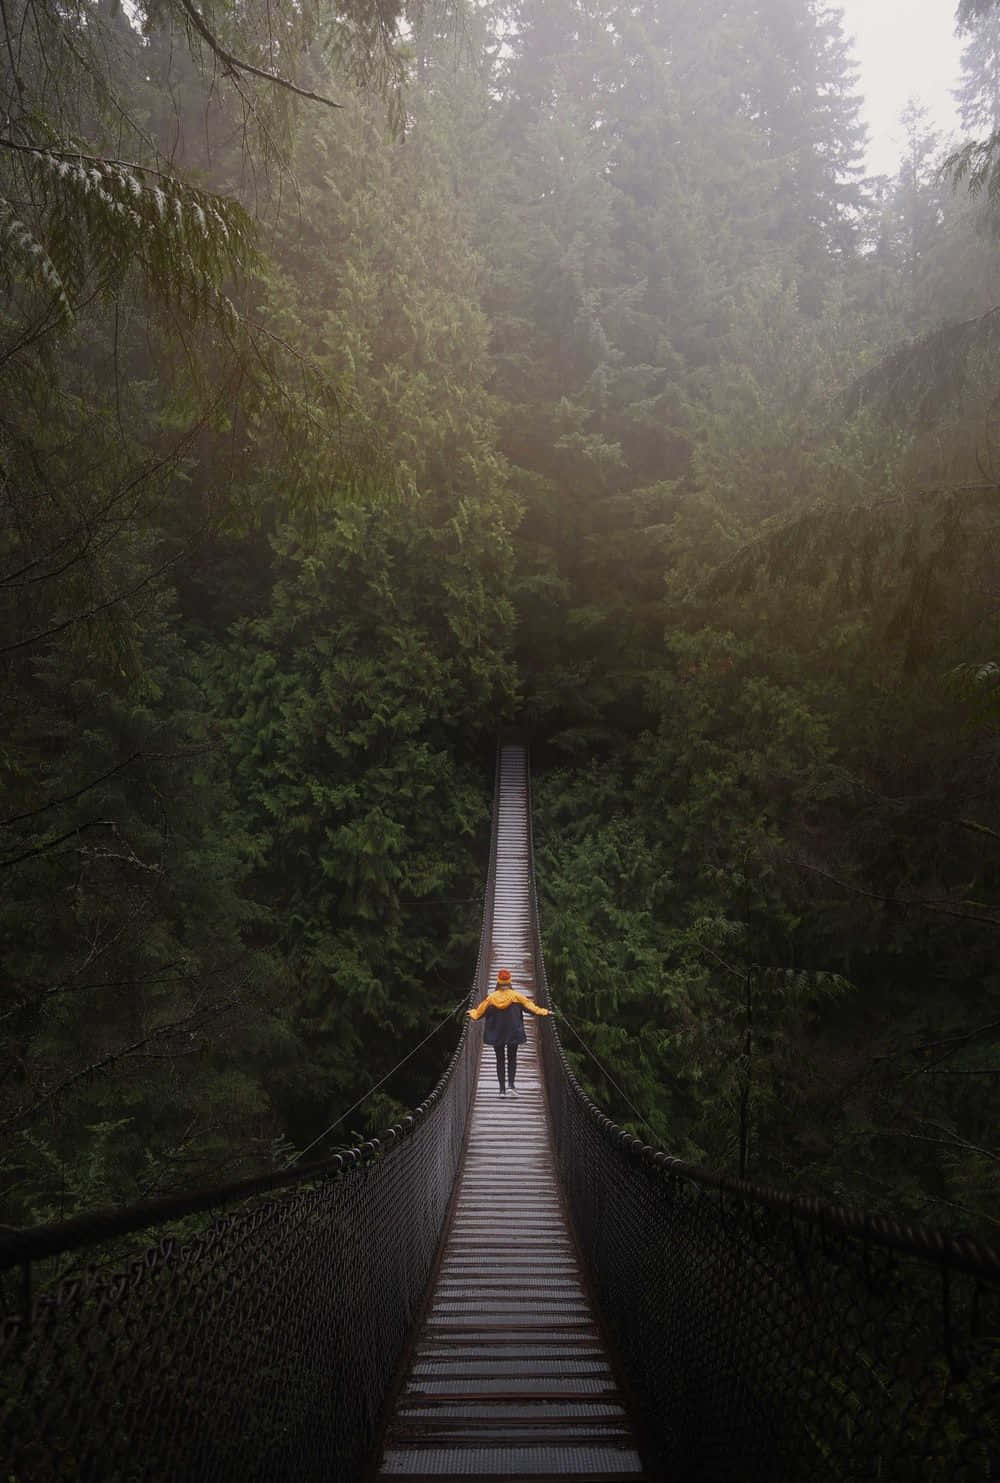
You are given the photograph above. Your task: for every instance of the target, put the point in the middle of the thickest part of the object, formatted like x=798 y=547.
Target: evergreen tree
x=798 y=88
x=146 y=450
x=571 y=393
x=915 y=217
x=363 y=694
x=978 y=92
x=975 y=163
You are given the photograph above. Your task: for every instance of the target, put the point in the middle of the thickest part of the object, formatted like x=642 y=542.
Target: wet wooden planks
x=509 y=1377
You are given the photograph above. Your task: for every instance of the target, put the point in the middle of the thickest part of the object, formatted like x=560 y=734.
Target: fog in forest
x=375 y=378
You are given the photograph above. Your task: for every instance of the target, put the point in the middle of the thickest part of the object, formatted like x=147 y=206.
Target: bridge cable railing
x=300 y=1153
x=774 y=1338
x=260 y=1348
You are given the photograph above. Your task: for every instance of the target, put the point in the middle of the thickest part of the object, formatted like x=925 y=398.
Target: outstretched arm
x=480 y=1009
x=530 y=1004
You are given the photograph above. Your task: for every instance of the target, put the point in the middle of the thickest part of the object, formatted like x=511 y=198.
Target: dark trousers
x=511 y=1052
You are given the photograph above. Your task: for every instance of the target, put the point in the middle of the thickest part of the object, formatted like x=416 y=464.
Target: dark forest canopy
x=376 y=377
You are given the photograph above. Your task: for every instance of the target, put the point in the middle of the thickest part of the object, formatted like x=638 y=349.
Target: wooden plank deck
x=509 y=1377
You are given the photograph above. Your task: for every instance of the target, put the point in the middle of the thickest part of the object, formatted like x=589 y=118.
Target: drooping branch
x=235 y=64
x=45 y=152
x=918 y=376
x=69 y=797
x=977 y=828
x=101 y=607
x=198 y=1017
x=50 y=844
x=925 y=903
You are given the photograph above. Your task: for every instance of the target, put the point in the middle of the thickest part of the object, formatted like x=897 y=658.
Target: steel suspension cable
x=607 y=1074
x=364 y=1098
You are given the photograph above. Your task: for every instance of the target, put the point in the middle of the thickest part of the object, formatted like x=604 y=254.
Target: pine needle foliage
x=86 y=195
x=94 y=181
x=969 y=11
x=913 y=570
x=921 y=380
x=977 y=686
x=95 y=221
x=977 y=163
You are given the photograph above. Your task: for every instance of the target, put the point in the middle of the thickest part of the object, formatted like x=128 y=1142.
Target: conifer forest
x=375 y=376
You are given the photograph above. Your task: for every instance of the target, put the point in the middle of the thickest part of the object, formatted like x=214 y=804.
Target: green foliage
x=362 y=709
x=737 y=859
x=978 y=686
x=587 y=385
x=976 y=163
x=99 y=219
x=153 y=988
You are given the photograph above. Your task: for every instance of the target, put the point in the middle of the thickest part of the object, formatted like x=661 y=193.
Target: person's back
x=504 y=1029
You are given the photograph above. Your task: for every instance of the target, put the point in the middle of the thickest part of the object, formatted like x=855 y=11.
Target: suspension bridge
x=499 y=1288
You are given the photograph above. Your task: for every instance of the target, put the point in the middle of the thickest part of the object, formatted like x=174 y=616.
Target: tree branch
x=953 y=1140
x=69 y=797
x=51 y=844
x=96 y=159
x=976 y=827
x=119 y=1055
x=926 y=903
x=234 y=64
x=37 y=638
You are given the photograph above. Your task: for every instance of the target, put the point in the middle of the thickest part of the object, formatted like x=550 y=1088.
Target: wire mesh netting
x=764 y=1337
x=763 y=1345
x=262 y=1348
x=767 y=1337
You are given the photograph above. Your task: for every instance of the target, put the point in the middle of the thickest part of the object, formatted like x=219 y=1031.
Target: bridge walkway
x=509 y=1376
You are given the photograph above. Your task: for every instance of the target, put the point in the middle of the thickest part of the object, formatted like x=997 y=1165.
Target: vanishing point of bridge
x=498 y=1289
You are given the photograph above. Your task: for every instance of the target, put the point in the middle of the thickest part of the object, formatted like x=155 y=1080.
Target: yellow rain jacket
x=504 y=1011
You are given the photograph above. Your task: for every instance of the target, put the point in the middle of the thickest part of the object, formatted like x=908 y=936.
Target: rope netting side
x=261 y=1348
x=768 y=1337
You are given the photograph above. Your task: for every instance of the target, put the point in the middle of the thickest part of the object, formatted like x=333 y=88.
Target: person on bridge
x=504 y=1011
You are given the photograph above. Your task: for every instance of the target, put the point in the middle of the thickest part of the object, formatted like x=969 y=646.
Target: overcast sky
x=903 y=47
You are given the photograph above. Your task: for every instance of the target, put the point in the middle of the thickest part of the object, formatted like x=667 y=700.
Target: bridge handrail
x=772 y=1336
x=261 y=1347
x=55 y=1238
